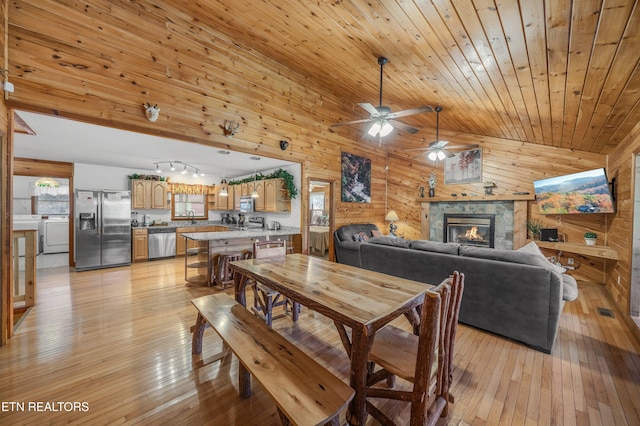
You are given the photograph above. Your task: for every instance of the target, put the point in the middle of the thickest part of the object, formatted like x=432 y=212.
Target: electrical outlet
x=570 y=261
x=552 y=259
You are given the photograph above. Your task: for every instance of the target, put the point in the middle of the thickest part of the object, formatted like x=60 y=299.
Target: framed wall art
x=356 y=178
x=463 y=167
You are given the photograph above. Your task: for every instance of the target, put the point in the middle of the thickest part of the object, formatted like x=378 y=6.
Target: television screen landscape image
x=578 y=193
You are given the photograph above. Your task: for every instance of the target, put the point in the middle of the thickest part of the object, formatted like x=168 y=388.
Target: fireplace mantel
x=469 y=199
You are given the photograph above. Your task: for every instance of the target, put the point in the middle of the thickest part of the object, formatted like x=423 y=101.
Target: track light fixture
x=185 y=169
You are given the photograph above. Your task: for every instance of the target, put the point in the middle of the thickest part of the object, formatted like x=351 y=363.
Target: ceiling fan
x=384 y=121
x=439 y=150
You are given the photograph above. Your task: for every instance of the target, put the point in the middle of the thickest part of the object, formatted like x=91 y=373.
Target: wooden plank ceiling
x=558 y=72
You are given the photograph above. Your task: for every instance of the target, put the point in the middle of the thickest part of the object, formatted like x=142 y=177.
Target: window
x=51 y=201
x=184 y=203
x=316 y=201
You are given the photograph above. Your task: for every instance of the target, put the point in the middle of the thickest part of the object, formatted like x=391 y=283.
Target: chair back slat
x=266 y=249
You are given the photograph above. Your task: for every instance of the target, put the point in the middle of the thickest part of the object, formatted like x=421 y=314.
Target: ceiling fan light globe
x=385 y=130
x=375 y=129
x=433 y=156
x=441 y=155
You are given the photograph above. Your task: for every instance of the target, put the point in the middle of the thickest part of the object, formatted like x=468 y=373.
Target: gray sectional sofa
x=516 y=294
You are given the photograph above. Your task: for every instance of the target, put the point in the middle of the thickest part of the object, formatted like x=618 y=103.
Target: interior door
x=320 y=218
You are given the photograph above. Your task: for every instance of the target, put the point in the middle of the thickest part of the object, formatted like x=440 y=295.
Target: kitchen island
x=211 y=244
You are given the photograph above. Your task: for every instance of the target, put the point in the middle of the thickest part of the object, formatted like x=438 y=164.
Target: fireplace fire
x=470 y=229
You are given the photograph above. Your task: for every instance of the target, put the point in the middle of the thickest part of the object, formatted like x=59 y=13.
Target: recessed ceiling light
x=224 y=152
x=254 y=158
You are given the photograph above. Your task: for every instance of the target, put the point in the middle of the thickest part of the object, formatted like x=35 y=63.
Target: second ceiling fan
x=382 y=119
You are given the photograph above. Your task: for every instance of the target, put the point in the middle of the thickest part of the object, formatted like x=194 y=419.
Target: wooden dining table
x=354 y=298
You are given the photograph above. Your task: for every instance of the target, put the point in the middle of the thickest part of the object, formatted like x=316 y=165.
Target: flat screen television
x=578 y=193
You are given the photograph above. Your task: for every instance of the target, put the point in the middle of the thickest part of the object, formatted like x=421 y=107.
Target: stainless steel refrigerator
x=102 y=229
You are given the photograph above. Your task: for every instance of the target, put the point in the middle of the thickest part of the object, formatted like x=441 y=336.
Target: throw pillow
x=376 y=233
x=533 y=249
x=569 y=288
x=363 y=236
x=356 y=237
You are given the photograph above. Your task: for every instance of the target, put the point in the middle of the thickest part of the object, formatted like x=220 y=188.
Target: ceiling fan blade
x=364 y=120
x=412 y=111
x=404 y=127
x=449 y=154
x=369 y=108
x=469 y=146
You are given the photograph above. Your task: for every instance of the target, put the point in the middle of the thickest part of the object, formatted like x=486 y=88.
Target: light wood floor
x=118 y=340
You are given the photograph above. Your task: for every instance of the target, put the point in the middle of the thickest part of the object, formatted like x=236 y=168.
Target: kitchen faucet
x=191 y=214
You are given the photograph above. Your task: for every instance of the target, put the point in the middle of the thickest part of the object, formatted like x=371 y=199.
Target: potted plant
x=590 y=238
x=534 y=226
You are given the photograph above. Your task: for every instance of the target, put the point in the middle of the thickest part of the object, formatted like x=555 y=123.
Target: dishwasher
x=162 y=242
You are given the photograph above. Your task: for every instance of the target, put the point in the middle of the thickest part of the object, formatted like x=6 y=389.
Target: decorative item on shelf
x=590 y=238
x=433 y=181
x=534 y=226
x=230 y=128
x=488 y=188
x=151 y=112
x=422 y=192
x=392 y=216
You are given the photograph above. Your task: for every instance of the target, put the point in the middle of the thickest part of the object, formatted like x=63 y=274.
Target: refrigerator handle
x=99 y=210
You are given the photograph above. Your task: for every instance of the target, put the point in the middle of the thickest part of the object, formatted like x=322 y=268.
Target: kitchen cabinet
x=237 y=193
x=276 y=196
x=148 y=194
x=139 y=245
x=182 y=244
x=259 y=202
x=185 y=246
x=222 y=203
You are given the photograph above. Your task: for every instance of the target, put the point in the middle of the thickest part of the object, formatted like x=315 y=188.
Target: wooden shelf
x=468 y=198
x=201 y=264
x=605 y=252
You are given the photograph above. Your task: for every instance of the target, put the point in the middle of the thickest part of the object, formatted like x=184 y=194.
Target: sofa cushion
x=569 y=288
x=346 y=232
x=376 y=233
x=513 y=256
x=390 y=241
x=533 y=249
x=436 y=246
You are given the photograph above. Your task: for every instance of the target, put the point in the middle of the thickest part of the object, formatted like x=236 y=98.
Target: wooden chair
x=265 y=298
x=425 y=360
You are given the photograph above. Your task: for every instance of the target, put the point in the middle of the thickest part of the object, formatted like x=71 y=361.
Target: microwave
x=247 y=204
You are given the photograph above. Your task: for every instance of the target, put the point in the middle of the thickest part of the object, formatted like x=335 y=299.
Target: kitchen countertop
x=249 y=233
x=185 y=224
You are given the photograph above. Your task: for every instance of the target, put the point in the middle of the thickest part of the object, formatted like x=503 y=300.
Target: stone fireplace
x=469 y=229
x=509 y=214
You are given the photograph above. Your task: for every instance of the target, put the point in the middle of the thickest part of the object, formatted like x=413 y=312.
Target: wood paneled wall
x=6 y=154
x=622 y=166
x=102 y=63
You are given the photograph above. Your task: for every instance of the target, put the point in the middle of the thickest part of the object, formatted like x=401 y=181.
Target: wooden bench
x=305 y=392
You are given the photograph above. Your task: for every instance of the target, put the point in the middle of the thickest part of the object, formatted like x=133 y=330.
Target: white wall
x=89 y=176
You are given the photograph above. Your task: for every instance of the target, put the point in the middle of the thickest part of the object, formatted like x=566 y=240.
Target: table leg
x=360 y=347
x=239 y=285
x=198 y=331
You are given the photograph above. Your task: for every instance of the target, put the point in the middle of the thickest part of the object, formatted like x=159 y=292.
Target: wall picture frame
x=463 y=167
x=355 y=178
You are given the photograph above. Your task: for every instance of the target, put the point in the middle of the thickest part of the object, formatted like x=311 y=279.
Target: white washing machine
x=55 y=235
x=22 y=222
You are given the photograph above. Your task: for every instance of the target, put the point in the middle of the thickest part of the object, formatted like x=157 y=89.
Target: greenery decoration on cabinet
x=280 y=173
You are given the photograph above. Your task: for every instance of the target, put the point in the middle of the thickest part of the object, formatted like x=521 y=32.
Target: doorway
x=320 y=218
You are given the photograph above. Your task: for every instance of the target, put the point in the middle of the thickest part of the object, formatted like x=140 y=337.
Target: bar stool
x=223 y=276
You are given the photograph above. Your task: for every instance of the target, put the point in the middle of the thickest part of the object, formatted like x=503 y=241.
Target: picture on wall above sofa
x=356 y=179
